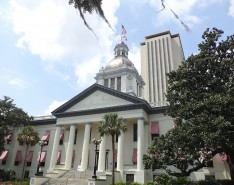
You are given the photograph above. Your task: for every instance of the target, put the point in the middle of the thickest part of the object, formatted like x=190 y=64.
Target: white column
x=55 y=148
x=102 y=155
x=85 y=151
x=140 y=143
x=120 y=156
x=69 y=153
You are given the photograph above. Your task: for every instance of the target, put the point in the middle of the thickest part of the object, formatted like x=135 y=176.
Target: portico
x=86 y=150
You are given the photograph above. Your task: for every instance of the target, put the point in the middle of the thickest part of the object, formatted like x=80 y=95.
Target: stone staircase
x=71 y=177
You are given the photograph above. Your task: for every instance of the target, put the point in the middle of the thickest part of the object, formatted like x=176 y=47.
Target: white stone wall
x=220 y=170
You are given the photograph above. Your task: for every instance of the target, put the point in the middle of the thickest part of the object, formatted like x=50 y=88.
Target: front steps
x=68 y=177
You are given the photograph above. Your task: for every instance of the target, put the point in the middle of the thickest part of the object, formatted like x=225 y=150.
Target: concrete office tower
x=160 y=54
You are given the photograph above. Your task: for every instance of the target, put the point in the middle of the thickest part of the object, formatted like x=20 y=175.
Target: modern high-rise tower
x=160 y=53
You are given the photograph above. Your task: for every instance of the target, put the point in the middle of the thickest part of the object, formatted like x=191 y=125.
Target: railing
x=89 y=168
x=43 y=117
x=66 y=180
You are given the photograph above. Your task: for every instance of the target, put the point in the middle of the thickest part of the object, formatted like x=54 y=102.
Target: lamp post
x=42 y=144
x=96 y=142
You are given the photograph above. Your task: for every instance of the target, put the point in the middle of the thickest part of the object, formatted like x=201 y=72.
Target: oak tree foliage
x=201 y=99
x=10 y=117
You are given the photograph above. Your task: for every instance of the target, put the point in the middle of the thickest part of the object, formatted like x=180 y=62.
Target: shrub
x=134 y=183
x=182 y=181
x=150 y=183
x=226 y=182
x=120 y=183
x=7 y=175
x=208 y=182
x=163 y=179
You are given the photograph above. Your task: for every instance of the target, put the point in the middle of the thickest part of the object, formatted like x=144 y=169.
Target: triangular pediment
x=98 y=99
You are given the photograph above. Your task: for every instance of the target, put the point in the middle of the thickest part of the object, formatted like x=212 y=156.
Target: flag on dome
x=123 y=35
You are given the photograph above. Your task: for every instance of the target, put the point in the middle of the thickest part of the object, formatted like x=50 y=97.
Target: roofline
x=45 y=121
x=142 y=106
x=160 y=34
x=155 y=110
x=102 y=88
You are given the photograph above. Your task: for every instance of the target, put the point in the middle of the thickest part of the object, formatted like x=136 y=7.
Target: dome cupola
x=121 y=57
x=120 y=73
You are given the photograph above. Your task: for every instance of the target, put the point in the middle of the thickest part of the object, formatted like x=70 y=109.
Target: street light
x=96 y=142
x=42 y=143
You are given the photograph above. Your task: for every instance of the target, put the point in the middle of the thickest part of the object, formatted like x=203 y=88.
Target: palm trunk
x=113 y=159
x=24 y=161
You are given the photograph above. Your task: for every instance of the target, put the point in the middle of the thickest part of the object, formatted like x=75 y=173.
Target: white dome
x=118 y=62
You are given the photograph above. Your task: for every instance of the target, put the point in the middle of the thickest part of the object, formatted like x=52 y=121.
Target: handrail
x=88 y=168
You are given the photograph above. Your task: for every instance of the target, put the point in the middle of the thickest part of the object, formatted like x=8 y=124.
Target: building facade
x=73 y=125
x=160 y=54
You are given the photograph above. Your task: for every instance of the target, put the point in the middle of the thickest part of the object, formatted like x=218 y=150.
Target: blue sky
x=47 y=55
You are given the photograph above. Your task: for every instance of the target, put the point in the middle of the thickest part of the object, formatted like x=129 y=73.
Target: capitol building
x=119 y=88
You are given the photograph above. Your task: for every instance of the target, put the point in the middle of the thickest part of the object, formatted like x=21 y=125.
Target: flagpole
x=121 y=35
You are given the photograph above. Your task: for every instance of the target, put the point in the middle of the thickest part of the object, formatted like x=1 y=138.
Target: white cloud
x=38 y=25
x=55 y=104
x=231 y=8
x=54 y=31
x=18 y=83
x=85 y=71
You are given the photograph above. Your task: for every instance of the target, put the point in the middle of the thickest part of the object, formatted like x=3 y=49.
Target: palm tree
x=29 y=136
x=112 y=125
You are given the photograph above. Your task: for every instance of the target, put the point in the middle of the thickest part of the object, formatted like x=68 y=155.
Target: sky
x=48 y=56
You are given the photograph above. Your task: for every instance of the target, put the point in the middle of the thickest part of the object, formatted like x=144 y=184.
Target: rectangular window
x=210 y=164
x=137 y=88
x=106 y=82
x=3 y=157
x=116 y=138
x=115 y=158
x=18 y=157
x=75 y=138
x=129 y=177
x=59 y=157
x=42 y=157
x=26 y=174
x=134 y=156
x=61 y=137
x=135 y=132
x=73 y=158
x=154 y=129
x=9 y=138
x=90 y=135
x=3 y=162
x=46 y=137
x=154 y=136
x=29 y=158
x=119 y=83
x=112 y=86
